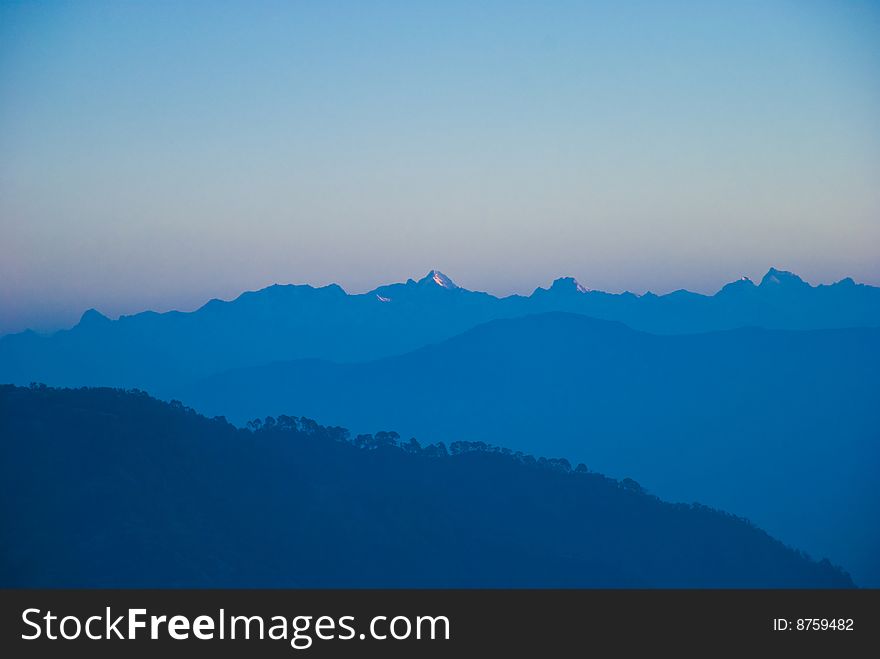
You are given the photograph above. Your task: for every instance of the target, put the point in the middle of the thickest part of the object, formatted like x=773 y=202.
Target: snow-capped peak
x=738 y=286
x=777 y=277
x=440 y=279
x=568 y=284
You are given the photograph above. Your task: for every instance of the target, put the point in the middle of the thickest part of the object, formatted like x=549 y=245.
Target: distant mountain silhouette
x=160 y=351
x=107 y=488
x=780 y=426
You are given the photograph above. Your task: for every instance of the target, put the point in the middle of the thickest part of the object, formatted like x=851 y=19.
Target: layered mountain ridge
x=761 y=399
x=777 y=425
x=141 y=493
x=159 y=351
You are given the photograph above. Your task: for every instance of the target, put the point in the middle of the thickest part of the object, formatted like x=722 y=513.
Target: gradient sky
x=157 y=154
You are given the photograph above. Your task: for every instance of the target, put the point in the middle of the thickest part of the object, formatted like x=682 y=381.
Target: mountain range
x=106 y=488
x=780 y=426
x=160 y=351
x=761 y=399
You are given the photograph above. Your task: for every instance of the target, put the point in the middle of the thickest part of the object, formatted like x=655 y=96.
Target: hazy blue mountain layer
x=160 y=351
x=780 y=426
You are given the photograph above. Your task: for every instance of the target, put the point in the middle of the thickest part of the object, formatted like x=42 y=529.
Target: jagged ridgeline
x=159 y=352
x=102 y=487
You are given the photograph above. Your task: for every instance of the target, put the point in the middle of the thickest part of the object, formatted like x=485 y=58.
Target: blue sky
x=154 y=155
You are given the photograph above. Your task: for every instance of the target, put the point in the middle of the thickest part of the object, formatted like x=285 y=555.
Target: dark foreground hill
x=106 y=488
x=782 y=427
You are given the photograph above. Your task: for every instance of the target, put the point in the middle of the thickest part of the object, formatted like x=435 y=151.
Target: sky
x=154 y=155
